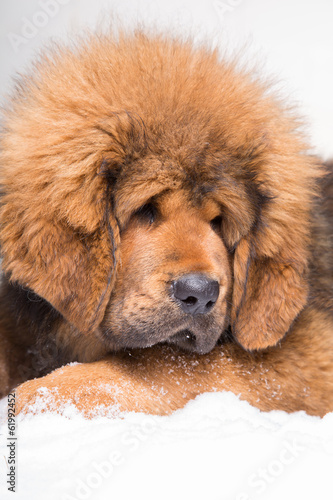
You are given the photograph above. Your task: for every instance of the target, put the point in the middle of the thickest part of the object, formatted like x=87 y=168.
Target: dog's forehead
x=153 y=177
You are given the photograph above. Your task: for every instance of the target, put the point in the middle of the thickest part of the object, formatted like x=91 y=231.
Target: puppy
x=163 y=225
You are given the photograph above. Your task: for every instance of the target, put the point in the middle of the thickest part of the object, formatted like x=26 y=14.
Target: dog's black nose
x=195 y=293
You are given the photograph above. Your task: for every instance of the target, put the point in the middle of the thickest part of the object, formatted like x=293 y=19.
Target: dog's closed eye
x=147 y=214
x=216 y=224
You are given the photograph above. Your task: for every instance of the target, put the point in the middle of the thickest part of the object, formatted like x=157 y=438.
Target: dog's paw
x=107 y=387
x=88 y=388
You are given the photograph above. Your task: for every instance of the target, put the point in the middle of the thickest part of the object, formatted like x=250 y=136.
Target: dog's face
x=174 y=278
x=154 y=194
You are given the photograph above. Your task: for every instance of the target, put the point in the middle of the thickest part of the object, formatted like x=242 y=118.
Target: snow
x=217 y=447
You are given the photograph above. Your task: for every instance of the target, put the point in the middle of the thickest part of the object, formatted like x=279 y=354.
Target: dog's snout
x=195 y=293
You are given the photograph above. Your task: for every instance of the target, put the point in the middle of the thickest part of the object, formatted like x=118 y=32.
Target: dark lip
x=185 y=335
x=186 y=340
x=137 y=337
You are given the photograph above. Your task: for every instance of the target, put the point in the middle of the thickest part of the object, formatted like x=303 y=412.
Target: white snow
x=217 y=447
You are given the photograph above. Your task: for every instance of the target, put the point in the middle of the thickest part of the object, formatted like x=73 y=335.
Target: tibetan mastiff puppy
x=164 y=227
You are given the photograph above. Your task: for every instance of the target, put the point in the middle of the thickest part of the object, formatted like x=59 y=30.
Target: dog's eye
x=147 y=213
x=216 y=224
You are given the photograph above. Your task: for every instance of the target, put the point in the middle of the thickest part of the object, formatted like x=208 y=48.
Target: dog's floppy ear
x=271 y=236
x=58 y=234
x=73 y=271
x=269 y=292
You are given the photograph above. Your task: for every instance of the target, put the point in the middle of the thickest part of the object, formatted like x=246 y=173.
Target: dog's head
x=153 y=193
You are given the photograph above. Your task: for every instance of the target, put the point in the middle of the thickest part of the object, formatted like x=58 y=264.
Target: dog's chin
x=184 y=339
x=187 y=341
